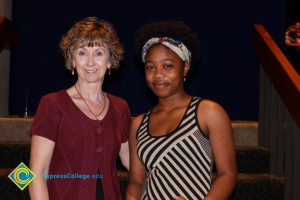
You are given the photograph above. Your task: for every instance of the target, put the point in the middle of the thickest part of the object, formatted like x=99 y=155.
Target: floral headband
x=178 y=47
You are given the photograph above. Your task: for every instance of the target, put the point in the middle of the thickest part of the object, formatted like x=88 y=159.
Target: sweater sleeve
x=46 y=119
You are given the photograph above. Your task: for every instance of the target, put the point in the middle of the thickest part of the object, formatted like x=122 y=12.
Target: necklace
x=96 y=116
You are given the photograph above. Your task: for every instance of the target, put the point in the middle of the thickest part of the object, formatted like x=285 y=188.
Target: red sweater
x=82 y=146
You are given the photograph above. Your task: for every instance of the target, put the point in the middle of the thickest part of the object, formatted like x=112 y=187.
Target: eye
x=99 y=53
x=168 y=66
x=81 y=53
x=149 y=67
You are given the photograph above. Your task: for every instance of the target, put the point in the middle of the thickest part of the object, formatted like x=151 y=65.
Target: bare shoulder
x=212 y=115
x=210 y=108
x=135 y=123
x=137 y=120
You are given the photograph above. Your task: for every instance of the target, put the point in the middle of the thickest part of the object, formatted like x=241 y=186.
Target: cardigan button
x=99 y=150
x=99 y=130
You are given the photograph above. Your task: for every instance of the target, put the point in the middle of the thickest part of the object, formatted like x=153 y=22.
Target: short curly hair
x=177 y=30
x=90 y=32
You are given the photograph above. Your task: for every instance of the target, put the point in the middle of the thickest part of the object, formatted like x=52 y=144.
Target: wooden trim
x=282 y=74
x=8 y=34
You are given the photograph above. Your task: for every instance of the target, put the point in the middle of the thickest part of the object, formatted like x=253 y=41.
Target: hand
x=180 y=198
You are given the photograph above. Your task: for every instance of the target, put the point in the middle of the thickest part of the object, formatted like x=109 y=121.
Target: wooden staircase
x=254 y=179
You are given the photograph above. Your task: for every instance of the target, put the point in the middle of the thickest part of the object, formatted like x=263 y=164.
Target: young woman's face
x=164 y=71
x=91 y=63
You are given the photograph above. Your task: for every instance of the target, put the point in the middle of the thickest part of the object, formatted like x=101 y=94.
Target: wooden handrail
x=282 y=74
x=8 y=35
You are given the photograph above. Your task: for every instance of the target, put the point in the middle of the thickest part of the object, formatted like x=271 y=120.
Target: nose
x=91 y=60
x=159 y=73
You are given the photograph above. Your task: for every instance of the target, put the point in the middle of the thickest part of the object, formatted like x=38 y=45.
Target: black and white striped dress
x=178 y=163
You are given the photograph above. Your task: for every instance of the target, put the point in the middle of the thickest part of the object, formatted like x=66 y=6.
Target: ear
x=186 y=68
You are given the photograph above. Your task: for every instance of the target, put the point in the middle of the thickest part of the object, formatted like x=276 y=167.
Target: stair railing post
x=5 y=10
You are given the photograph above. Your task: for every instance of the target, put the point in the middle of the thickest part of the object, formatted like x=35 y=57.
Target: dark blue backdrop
x=227 y=73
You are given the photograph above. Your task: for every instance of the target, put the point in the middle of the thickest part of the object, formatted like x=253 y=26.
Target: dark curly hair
x=92 y=31
x=177 y=30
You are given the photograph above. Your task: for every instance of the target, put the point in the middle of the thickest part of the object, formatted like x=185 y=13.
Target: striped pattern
x=179 y=163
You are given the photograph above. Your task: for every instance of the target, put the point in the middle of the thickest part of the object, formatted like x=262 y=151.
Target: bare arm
x=216 y=123
x=124 y=154
x=137 y=170
x=40 y=157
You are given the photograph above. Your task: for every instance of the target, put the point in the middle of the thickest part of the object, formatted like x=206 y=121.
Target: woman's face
x=164 y=71
x=91 y=63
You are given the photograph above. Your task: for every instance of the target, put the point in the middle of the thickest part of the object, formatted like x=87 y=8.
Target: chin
x=161 y=94
x=93 y=80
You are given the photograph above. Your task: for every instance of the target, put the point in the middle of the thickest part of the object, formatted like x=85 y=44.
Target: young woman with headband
x=174 y=146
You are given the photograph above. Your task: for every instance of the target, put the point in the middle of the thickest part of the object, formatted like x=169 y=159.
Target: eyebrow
x=165 y=59
x=98 y=47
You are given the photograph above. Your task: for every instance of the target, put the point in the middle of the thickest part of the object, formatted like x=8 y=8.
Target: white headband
x=178 y=47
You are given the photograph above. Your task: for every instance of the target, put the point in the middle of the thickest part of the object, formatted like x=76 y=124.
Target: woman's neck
x=173 y=101
x=90 y=91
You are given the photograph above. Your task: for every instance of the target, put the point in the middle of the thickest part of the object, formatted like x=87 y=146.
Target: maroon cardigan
x=82 y=146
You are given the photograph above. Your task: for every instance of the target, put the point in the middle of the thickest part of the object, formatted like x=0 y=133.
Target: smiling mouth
x=91 y=71
x=159 y=85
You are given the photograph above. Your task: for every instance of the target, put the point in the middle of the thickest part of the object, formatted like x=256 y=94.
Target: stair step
x=8 y=190
x=249 y=187
x=12 y=153
x=249 y=159
x=16 y=129
x=254 y=182
x=253 y=159
x=259 y=187
x=245 y=133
